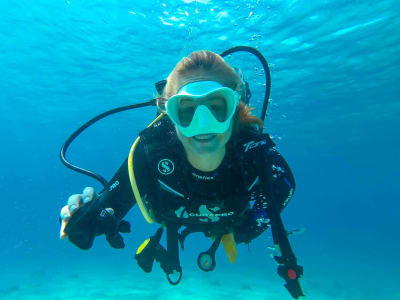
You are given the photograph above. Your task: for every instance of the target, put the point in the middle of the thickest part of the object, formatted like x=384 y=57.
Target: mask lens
x=187 y=108
x=218 y=107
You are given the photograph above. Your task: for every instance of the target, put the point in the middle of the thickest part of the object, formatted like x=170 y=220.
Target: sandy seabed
x=98 y=283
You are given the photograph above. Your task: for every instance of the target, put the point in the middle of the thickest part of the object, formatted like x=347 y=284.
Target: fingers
x=88 y=194
x=65 y=216
x=74 y=203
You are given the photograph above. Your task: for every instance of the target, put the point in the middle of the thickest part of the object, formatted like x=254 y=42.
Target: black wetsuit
x=212 y=192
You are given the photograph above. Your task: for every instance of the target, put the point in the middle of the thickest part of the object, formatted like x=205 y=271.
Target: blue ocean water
x=334 y=113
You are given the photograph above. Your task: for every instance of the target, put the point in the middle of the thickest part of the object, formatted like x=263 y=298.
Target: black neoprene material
x=120 y=196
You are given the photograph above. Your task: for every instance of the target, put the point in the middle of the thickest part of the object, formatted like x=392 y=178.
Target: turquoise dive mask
x=203 y=107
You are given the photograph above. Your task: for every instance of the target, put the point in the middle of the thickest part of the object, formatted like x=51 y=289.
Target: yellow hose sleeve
x=146 y=214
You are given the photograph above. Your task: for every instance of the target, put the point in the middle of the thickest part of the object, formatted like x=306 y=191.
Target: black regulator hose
x=267 y=74
x=64 y=148
x=152 y=102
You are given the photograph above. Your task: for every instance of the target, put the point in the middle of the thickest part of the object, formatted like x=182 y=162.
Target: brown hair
x=208 y=65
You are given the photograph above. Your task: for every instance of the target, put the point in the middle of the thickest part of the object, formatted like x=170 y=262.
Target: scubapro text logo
x=114 y=185
x=166 y=166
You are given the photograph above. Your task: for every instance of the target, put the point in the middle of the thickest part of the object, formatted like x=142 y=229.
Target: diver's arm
x=283 y=183
x=283 y=186
x=89 y=215
x=102 y=214
x=120 y=196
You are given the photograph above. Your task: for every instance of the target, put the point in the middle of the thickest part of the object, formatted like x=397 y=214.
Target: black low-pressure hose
x=64 y=147
x=267 y=74
x=152 y=102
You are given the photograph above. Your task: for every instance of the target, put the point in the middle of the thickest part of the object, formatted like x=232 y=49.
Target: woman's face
x=203 y=144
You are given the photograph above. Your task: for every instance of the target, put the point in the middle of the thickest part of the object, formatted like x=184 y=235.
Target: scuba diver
x=203 y=165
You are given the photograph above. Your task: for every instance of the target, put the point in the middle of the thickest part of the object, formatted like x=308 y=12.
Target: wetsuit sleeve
x=120 y=196
x=283 y=183
x=283 y=187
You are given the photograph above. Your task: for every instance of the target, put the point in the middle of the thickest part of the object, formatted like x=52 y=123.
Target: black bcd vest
x=177 y=202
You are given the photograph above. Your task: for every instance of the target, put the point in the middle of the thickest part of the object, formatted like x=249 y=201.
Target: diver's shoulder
x=161 y=129
x=251 y=139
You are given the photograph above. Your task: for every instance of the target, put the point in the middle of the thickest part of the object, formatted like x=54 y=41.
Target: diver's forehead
x=190 y=78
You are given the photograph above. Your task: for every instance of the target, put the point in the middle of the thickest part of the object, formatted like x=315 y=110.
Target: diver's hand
x=86 y=216
x=74 y=203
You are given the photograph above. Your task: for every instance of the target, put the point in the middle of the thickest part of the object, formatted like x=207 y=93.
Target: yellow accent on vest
x=229 y=246
x=142 y=246
x=146 y=214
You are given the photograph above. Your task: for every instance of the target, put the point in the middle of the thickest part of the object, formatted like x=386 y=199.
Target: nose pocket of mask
x=203 y=117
